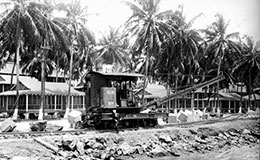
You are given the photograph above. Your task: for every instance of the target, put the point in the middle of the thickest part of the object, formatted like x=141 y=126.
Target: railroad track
x=35 y=134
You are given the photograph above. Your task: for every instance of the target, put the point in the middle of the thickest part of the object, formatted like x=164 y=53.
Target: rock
x=204 y=132
x=89 y=151
x=112 y=158
x=226 y=134
x=246 y=131
x=165 y=138
x=221 y=144
x=7 y=125
x=193 y=131
x=4 y=115
x=127 y=149
x=90 y=143
x=256 y=134
x=172 y=118
x=182 y=117
x=69 y=144
x=221 y=136
x=20 y=158
x=119 y=151
x=53 y=128
x=139 y=150
x=96 y=154
x=194 y=117
x=38 y=126
x=98 y=146
x=85 y=157
x=233 y=134
x=199 y=146
x=101 y=140
x=117 y=139
x=173 y=152
x=233 y=130
x=80 y=147
x=111 y=151
x=104 y=156
x=249 y=138
x=158 y=151
x=200 y=140
x=74 y=117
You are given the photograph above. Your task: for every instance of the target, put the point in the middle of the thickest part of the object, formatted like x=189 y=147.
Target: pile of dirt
x=158 y=142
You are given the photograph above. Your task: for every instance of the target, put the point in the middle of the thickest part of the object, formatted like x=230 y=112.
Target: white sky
x=244 y=15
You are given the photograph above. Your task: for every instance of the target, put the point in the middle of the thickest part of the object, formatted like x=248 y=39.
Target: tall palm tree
x=178 y=58
x=80 y=37
x=219 y=45
x=148 y=26
x=247 y=68
x=20 y=28
x=113 y=49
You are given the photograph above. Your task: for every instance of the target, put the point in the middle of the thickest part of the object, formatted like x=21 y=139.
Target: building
x=30 y=95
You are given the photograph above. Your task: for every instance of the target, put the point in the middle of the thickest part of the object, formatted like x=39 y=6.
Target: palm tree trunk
x=70 y=77
x=168 y=92
x=249 y=96
x=168 y=83
x=146 y=76
x=241 y=99
x=57 y=71
x=43 y=63
x=15 y=114
x=176 y=87
x=218 y=73
x=42 y=107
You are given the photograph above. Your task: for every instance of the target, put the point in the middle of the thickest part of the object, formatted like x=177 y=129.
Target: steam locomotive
x=107 y=93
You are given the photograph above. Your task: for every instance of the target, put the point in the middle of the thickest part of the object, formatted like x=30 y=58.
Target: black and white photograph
x=129 y=79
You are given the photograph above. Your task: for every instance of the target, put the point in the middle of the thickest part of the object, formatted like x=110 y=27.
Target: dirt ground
x=23 y=150
x=234 y=153
x=18 y=149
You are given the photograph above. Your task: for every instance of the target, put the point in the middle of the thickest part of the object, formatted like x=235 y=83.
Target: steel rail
x=33 y=134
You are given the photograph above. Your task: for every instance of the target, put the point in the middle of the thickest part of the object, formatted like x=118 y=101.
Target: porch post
x=229 y=109
x=192 y=100
x=84 y=103
x=55 y=102
x=7 y=103
x=198 y=107
x=72 y=102
x=26 y=107
x=26 y=103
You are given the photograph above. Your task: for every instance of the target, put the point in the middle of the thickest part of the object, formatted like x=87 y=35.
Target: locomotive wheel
x=98 y=122
x=125 y=124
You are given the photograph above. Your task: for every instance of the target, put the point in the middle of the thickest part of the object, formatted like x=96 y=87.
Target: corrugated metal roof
x=154 y=90
x=34 y=87
x=6 y=79
x=230 y=95
x=252 y=97
x=117 y=74
x=226 y=96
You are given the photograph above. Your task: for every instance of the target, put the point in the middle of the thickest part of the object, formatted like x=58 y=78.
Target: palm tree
x=20 y=28
x=113 y=49
x=219 y=45
x=148 y=26
x=178 y=58
x=79 y=36
x=247 y=68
